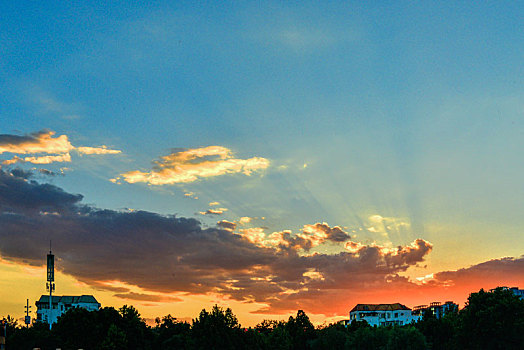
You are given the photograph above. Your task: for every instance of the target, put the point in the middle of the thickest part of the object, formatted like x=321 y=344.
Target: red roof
x=380 y=307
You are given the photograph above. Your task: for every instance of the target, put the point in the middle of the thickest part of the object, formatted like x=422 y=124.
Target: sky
x=267 y=157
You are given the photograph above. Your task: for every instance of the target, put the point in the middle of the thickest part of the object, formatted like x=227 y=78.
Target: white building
x=60 y=304
x=382 y=314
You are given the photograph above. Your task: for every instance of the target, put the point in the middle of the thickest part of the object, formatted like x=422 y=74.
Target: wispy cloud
x=188 y=165
x=186 y=194
x=97 y=150
x=245 y=220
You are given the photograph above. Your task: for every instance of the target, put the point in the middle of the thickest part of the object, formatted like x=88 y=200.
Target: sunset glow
x=265 y=157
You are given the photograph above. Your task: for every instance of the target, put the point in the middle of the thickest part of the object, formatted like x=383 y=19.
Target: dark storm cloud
x=19 y=195
x=166 y=254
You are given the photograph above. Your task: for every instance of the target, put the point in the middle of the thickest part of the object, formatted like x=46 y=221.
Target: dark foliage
x=490 y=320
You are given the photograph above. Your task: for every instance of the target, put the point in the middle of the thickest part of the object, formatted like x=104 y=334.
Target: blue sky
x=408 y=111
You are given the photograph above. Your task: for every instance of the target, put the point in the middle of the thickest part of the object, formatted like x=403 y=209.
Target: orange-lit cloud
x=227 y=225
x=245 y=220
x=38 y=142
x=212 y=211
x=47 y=148
x=66 y=157
x=310 y=237
x=188 y=165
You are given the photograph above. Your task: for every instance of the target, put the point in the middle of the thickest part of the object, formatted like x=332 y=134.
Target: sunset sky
x=266 y=156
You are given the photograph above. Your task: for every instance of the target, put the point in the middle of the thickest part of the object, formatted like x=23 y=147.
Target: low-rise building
x=436 y=308
x=383 y=314
x=60 y=304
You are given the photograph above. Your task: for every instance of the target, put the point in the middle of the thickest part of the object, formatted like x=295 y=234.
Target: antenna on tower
x=50 y=282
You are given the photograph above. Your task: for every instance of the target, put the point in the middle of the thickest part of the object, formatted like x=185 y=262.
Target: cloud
x=37 y=142
x=491 y=272
x=187 y=194
x=211 y=204
x=245 y=220
x=97 y=150
x=168 y=254
x=66 y=157
x=227 y=225
x=310 y=237
x=50 y=173
x=322 y=232
x=217 y=211
x=25 y=174
x=189 y=165
x=48 y=149
x=147 y=297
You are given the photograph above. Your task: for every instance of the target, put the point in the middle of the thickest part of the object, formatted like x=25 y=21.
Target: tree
x=218 y=329
x=76 y=329
x=492 y=320
x=406 y=338
x=334 y=336
x=367 y=338
x=277 y=335
x=301 y=330
x=37 y=336
x=170 y=333
x=440 y=333
x=138 y=335
x=115 y=339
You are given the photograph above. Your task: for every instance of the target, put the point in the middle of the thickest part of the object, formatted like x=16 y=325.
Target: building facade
x=383 y=314
x=60 y=304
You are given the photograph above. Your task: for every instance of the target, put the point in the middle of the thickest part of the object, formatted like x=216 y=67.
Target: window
x=396 y=314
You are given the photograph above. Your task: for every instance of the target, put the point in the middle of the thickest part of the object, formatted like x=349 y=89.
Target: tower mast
x=50 y=282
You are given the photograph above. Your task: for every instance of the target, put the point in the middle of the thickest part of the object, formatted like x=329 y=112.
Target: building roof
x=68 y=299
x=379 y=307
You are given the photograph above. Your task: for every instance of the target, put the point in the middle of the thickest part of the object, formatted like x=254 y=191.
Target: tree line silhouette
x=490 y=320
